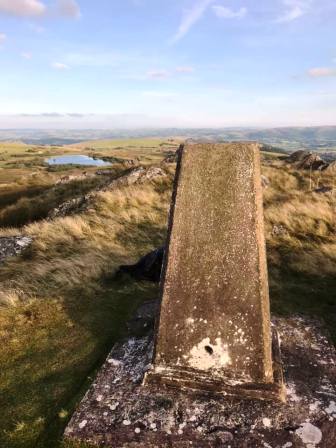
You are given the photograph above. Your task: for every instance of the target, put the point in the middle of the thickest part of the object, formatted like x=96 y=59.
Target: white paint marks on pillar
x=206 y=356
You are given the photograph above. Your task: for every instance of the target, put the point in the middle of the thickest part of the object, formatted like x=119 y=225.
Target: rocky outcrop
x=12 y=246
x=313 y=162
x=135 y=176
x=298 y=156
x=70 y=207
x=173 y=157
x=105 y=173
x=305 y=160
x=74 y=177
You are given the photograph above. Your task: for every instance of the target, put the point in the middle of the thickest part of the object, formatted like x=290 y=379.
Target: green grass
x=44 y=375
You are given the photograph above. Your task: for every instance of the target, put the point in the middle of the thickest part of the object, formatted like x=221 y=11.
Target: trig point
x=214 y=330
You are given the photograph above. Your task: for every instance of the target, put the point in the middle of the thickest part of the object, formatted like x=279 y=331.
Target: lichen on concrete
x=119 y=412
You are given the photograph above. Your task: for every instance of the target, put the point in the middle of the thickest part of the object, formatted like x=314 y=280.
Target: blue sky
x=162 y=63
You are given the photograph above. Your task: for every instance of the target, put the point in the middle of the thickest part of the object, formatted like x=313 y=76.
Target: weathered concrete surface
x=118 y=412
x=214 y=323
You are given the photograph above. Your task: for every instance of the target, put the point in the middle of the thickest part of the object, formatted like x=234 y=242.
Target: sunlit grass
x=62 y=311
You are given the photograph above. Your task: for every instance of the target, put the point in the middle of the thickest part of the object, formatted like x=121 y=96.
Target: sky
x=167 y=63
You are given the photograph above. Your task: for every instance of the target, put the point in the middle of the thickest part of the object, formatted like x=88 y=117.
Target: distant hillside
x=322 y=138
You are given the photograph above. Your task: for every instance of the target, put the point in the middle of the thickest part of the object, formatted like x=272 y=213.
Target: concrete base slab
x=119 y=412
x=189 y=379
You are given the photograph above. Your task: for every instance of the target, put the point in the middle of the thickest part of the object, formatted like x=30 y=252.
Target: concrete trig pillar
x=214 y=330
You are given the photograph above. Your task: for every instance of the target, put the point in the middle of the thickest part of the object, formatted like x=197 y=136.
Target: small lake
x=76 y=160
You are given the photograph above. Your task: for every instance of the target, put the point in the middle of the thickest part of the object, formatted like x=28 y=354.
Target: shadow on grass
x=294 y=292
x=60 y=359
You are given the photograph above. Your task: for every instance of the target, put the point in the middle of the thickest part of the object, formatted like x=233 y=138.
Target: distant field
x=319 y=138
x=25 y=165
x=147 y=150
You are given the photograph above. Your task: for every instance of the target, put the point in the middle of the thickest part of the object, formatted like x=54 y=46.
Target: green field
x=61 y=309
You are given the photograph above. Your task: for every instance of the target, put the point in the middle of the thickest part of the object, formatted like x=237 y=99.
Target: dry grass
x=307 y=220
x=76 y=252
x=63 y=311
x=301 y=243
x=66 y=311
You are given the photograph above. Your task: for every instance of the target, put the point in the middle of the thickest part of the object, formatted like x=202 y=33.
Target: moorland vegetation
x=62 y=309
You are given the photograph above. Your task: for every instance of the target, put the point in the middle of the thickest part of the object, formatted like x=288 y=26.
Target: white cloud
x=294 y=10
x=228 y=13
x=25 y=8
x=26 y=55
x=68 y=8
x=159 y=95
x=158 y=74
x=191 y=17
x=59 y=66
x=3 y=37
x=184 y=69
x=93 y=59
x=320 y=72
x=37 y=8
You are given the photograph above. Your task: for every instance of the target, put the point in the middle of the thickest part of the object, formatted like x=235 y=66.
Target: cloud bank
x=38 y=8
x=23 y=8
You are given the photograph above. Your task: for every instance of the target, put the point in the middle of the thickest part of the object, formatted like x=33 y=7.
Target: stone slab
x=119 y=412
x=214 y=324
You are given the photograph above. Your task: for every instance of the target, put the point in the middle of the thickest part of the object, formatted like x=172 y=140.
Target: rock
x=323 y=189
x=104 y=173
x=172 y=158
x=279 y=230
x=313 y=162
x=298 y=156
x=137 y=175
x=68 y=208
x=265 y=182
x=13 y=246
x=73 y=177
x=130 y=162
x=152 y=173
x=148 y=267
x=130 y=178
x=331 y=168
